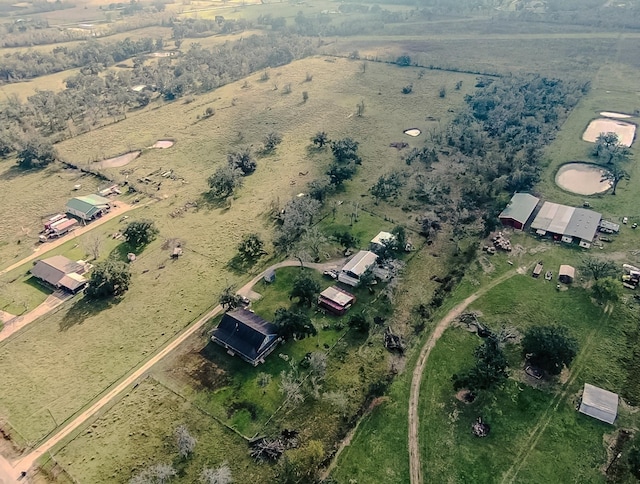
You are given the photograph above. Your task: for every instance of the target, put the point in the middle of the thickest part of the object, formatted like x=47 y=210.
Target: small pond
x=412 y=132
x=582 y=178
x=625 y=131
x=610 y=114
x=163 y=144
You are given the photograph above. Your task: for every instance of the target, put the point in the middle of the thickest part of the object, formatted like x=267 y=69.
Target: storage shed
x=336 y=300
x=88 y=207
x=379 y=241
x=599 y=403
x=519 y=210
x=566 y=274
x=566 y=223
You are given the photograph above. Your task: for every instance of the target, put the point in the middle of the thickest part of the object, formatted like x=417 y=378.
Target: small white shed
x=599 y=403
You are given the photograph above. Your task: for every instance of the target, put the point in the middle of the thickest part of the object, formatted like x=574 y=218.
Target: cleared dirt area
x=117 y=161
x=610 y=114
x=625 y=131
x=582 y=178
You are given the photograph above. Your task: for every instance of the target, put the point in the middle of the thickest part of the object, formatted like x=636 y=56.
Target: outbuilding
x=244 y=333
x=380 y=240
x=59 y=272
x=566 y=223
x=566 y=274
x=599 y=403
x=88 y=207
x=358 y=265
x=519 y=211
x=336 y=300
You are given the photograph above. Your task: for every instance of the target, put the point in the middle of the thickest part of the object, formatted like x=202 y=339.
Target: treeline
x=197 y=27
x=89 y=96
x=500 y=135
x=93 y=56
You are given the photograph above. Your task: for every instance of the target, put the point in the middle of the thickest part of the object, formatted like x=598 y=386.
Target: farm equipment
x=57 y=229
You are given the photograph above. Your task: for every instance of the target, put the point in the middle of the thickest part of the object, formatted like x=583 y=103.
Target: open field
x=150 y=314
x=133 y=435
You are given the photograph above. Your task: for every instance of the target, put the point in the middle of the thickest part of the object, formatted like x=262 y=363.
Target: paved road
x=9 y=471
x=41 y=249
x=415 y=468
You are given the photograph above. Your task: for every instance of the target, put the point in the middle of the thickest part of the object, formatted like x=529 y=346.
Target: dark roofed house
x=60 y=273
x=247 y=335
x=519 y=210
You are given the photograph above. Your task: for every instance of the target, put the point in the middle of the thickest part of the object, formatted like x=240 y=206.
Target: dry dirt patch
x=625 y=131
x=582 y=178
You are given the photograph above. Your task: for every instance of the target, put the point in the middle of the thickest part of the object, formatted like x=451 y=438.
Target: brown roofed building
x=336 y=300
x=60 y=273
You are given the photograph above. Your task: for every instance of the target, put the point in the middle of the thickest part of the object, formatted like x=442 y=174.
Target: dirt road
x=415 y=468
x=119 y=209
x=27 y=461
x=18 y=322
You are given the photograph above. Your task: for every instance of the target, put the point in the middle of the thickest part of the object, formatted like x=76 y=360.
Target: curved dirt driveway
x=415 y=469
x=9 y=471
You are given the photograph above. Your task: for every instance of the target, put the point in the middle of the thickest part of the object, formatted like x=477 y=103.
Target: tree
x=339 y=173
x=242 y=160
x=93 y=243
x=387 y=186
x=305 y=288
x=293 y=324
x=400 y=237
x=251 y=247
x=345 y=150
x=489 y=371
x=360 y=107
x=320 y=139
x=403 y=61
x=36 y=152
x=606 y=290
x=291 y=387
x=359 y=323
x=140 y=233
x=221 y=475
x=598 y=268
x=224 y=182
x=270 y=141
x=609 y=148
x=634 y=461
x=320 y=188
x=346 y=239
x=228 y=299
x=156 y=474
x=109 y=278
x=614 y=175
x=305 y=96
x=186 y=442
x=550 y=348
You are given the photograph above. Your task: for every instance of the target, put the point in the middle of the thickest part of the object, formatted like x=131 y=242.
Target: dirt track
x=9 y=472
x=415 y=468
x=119 y=209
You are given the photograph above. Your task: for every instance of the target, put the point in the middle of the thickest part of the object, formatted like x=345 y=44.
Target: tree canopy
x=36 y=152
x=598 y=268
x=140 y=233
x=228 y=299
x=305 y=288
x=550 y=348
x=224 y=182
x=489 y=371
x=242 y=160
x=293 y=324
x=109 y=278
x=251 y=247
x=607 y=290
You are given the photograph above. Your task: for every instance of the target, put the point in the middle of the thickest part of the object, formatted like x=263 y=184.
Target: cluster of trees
x=188 y=27
x=164 y=473
x=502 y=130
x=549 y=348
x=91 y=96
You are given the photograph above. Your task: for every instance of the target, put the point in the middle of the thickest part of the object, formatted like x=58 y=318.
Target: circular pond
x=582 y=178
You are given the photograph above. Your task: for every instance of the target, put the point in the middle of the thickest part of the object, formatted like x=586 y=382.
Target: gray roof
x=54 y=271
x=599 y=403
x=360 y=263
x=520 y=207
x=569 y=221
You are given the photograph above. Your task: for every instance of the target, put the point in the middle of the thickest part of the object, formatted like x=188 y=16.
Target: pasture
x=165 y=295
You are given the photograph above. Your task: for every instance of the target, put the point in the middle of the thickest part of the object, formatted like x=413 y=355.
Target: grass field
x=150 y=313
x=133 y=435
